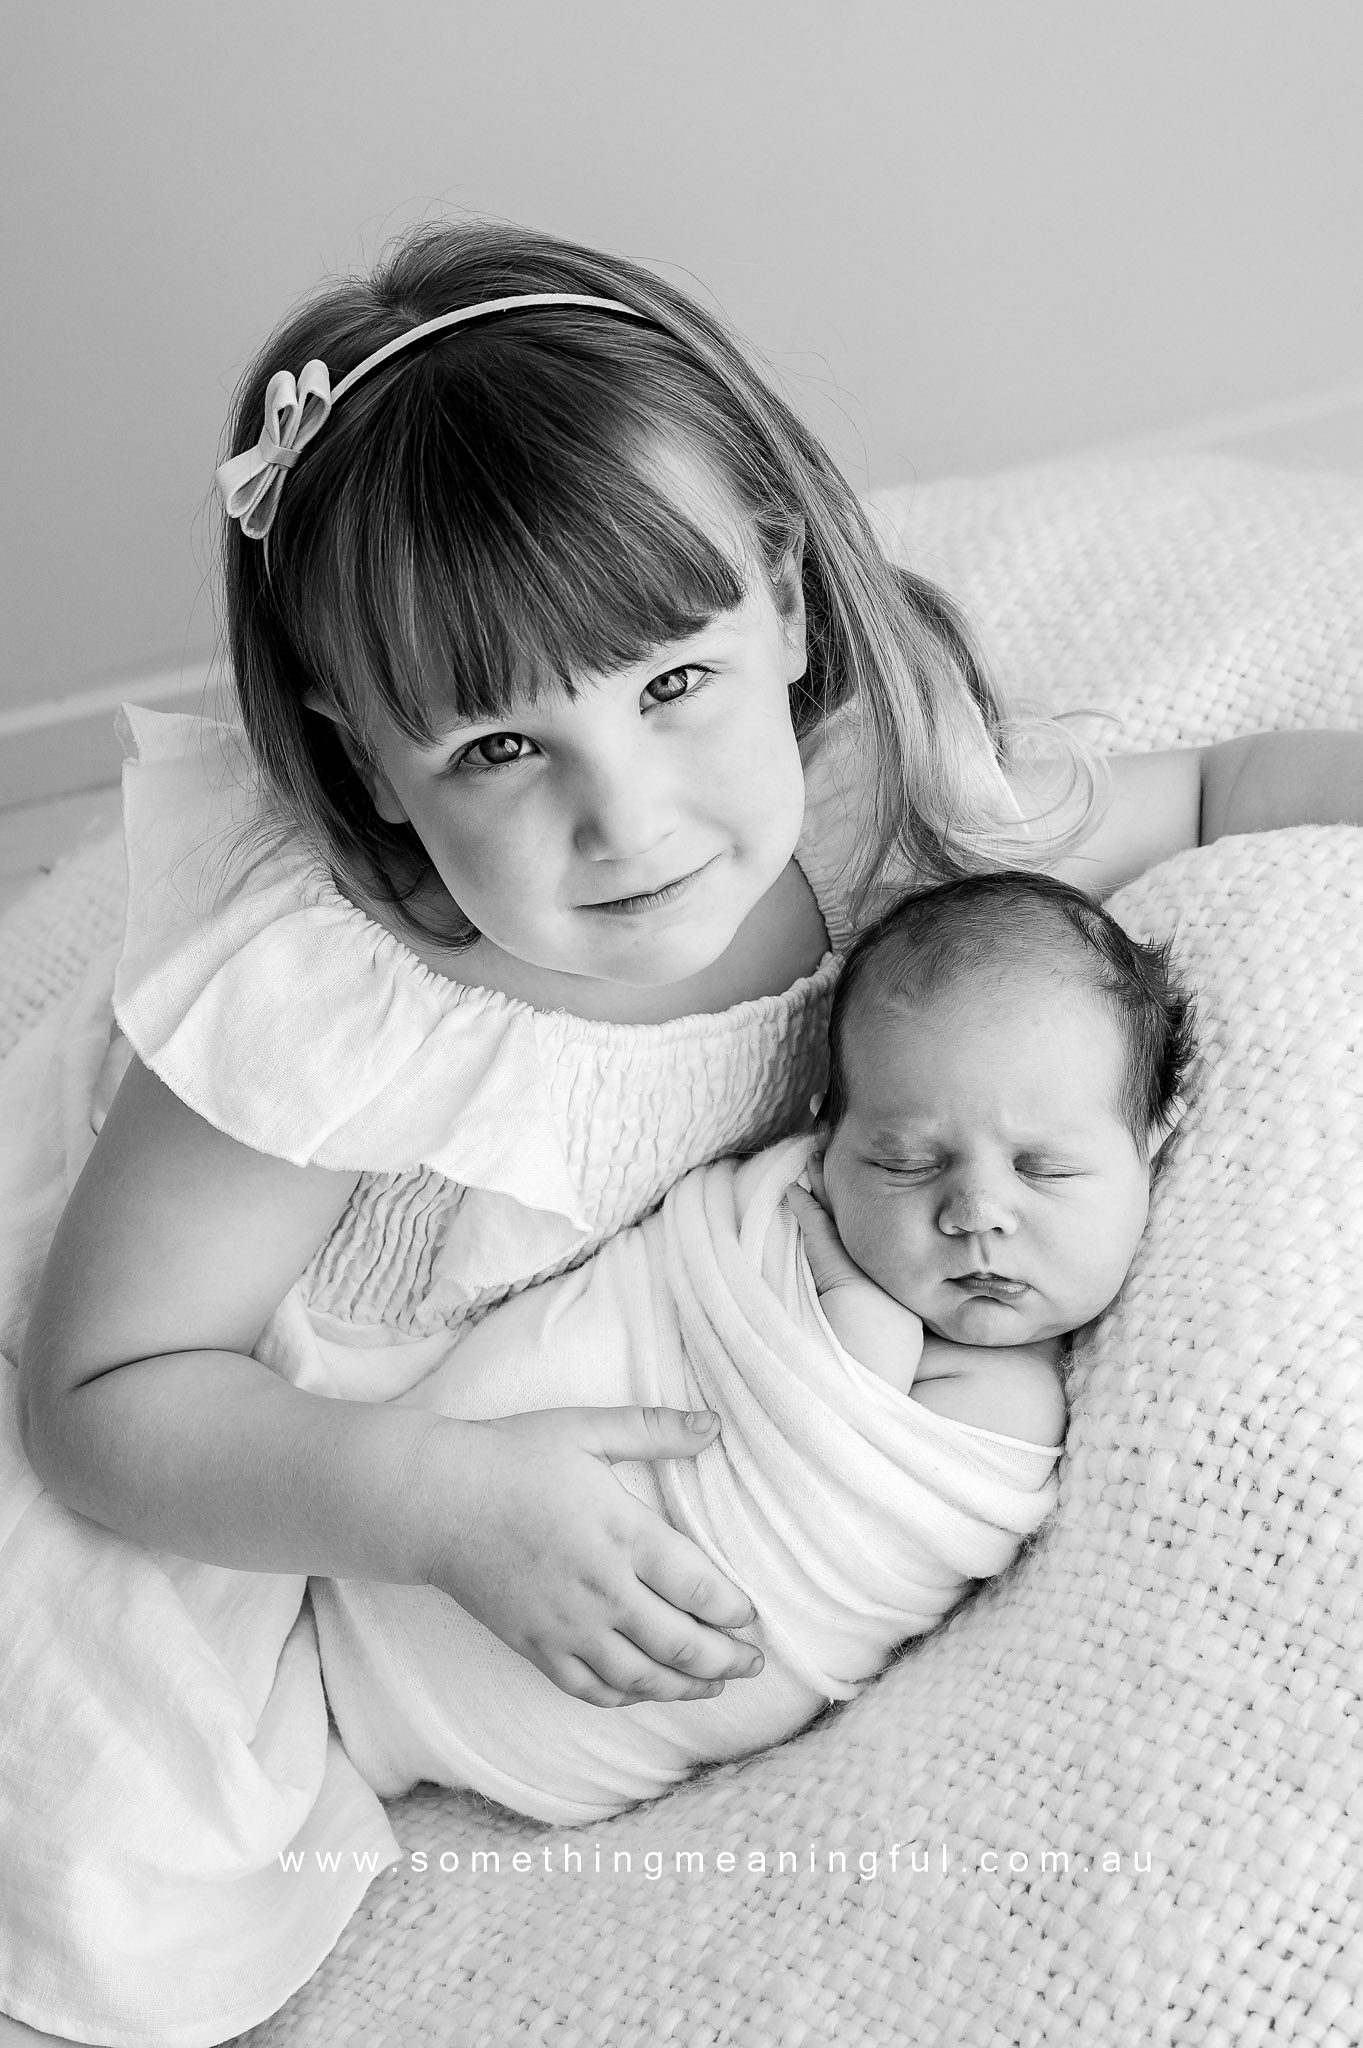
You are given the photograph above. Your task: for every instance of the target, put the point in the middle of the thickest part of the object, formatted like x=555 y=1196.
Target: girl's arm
x=141 y=1408
x=1163 y=803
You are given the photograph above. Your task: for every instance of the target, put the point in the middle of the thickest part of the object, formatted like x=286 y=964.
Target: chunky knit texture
x=1124 y=1781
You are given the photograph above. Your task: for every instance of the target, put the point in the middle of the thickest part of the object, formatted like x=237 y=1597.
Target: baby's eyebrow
x=917 y=1136
x=900 y=1138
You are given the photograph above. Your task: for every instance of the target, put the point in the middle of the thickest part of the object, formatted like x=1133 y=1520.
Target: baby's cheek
x=1105 y=1274
x=1129 y=1228
x=885 y=1249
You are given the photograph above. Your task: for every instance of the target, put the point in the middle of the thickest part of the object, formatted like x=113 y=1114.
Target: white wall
x=967 y=232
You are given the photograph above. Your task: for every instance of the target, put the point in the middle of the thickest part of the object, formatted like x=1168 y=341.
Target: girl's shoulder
x=284 y=1015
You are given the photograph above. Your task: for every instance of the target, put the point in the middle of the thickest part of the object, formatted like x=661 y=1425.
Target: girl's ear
x=790 y=603
x=382 y=795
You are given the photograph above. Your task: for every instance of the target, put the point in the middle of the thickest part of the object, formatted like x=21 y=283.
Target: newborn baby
x=1004 y=1063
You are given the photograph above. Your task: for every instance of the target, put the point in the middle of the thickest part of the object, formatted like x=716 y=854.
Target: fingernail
x=700 y=1420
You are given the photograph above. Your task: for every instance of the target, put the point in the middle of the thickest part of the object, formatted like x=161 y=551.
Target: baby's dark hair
x=927 y=944
x=486 y=514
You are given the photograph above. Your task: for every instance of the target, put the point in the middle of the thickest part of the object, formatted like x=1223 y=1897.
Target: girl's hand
x=557 y=1558
x=879 y=1331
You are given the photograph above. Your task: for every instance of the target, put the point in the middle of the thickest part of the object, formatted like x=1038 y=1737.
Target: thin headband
x=250 y=483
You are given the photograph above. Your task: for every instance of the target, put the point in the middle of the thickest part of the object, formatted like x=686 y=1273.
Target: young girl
x=583 y=723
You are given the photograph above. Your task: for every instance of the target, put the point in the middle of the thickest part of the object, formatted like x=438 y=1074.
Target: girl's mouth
x=630 y=906
x=993 y=1284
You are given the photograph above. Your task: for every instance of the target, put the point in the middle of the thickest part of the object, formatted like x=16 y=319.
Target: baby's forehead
x=987 y=990
x=1045 y=1040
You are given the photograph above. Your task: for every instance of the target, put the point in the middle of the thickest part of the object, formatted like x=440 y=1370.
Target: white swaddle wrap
x=851 y=1515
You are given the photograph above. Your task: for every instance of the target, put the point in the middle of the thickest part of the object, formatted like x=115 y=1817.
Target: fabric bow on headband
x=250 y=483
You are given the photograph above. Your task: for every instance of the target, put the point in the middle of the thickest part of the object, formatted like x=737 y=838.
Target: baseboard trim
x=66 y=744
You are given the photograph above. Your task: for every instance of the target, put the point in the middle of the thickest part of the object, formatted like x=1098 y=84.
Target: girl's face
x=623 y=834
x=983 y=1174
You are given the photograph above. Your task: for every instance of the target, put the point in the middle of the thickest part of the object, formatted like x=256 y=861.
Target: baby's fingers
x=828 y=1261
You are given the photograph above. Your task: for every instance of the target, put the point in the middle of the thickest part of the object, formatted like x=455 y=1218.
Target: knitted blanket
x=1117 y=1798
x=852 y=1516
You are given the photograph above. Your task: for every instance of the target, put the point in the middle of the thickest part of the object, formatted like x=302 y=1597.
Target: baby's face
x=982 y=1174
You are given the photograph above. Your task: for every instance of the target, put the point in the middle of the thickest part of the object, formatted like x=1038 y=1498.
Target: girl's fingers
x=622 y=1667
x=660 y=1636
x=671 y=1566
x=632 y=1433
x=574 y=1676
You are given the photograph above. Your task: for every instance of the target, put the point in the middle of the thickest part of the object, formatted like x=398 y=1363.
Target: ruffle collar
x=293 y=1022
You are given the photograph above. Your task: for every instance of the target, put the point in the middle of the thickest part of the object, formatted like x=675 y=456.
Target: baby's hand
x=557 y=1558
x=879 y=1332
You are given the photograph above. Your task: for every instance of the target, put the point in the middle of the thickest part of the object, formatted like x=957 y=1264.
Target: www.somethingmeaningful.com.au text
x=898 y=1859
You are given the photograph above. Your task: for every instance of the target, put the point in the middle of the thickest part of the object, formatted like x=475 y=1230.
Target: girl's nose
x=623 y=810
x=971 y=1211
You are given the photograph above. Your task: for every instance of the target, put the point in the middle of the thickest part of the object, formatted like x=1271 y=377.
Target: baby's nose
x=969 y=1211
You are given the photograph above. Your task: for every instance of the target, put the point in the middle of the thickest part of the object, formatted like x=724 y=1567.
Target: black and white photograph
x=681 y=972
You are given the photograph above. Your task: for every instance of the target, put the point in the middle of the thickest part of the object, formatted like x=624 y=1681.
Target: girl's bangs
x=483 y=576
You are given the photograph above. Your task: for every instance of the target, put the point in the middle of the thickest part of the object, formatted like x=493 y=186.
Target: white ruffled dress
x=165 y=1752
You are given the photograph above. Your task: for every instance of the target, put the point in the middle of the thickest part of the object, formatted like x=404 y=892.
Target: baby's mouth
x=994 y=1284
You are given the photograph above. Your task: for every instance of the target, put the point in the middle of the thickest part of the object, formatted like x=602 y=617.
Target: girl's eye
x=677 y=683
x=494 y=750
x=1038 y=1172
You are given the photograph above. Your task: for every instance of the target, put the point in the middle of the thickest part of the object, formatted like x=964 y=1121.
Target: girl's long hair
x=486 y=515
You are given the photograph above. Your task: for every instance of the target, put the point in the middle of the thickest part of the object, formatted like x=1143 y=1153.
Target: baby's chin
x=993 y=1324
